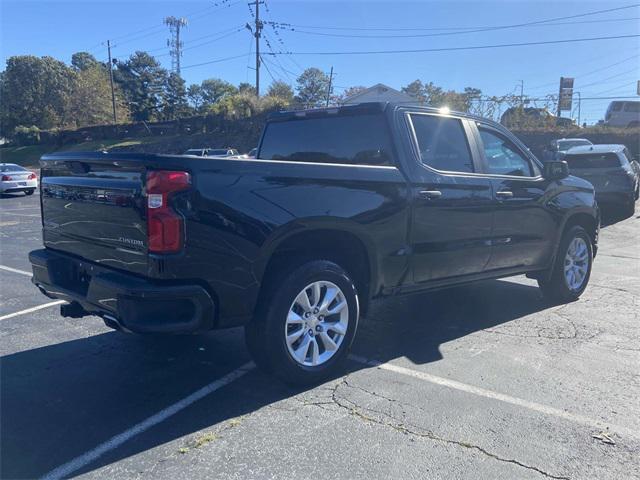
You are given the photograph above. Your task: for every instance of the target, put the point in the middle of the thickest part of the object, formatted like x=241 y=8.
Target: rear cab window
x=442 y=143
x=362 y=139
x=593 y=160
x=632 y=107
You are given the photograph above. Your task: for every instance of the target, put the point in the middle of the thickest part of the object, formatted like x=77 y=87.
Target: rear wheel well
x=343 y=248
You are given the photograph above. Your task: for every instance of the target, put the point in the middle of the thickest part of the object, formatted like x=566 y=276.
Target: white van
x=623 y=114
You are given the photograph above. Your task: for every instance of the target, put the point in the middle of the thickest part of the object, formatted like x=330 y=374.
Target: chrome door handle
x=504 y=194
x=430 y=194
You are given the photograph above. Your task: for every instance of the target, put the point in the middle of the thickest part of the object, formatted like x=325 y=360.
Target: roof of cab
x=585 y=149
x=369 y=107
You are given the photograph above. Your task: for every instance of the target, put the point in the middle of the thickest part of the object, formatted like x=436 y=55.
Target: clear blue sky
x=60 y=28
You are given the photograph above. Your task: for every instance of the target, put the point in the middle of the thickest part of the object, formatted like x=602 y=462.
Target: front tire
x=571 y=271
x=29 y=192
x=305 y=324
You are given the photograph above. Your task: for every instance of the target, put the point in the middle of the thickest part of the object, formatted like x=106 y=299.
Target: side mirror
x=555 y=170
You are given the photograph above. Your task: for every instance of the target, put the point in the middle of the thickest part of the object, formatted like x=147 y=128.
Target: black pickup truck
x=341 y=205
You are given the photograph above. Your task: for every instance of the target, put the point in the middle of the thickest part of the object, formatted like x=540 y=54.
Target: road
x=482 y=381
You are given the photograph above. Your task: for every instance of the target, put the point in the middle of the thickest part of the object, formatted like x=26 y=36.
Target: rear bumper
x=124 y=301
x=9 y=187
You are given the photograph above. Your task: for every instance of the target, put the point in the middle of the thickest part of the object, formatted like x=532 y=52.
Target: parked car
x=611 y=170
x=14 y=179
x=212 y=152
x=623 y=114
x=557 y=148
x=342 y=205
x=516 y=117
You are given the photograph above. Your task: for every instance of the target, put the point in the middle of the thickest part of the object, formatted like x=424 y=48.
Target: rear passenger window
x=442 y=143
x=632 y=107
x=353 y=140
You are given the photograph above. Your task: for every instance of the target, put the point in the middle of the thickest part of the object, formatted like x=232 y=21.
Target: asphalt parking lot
x=482 y=381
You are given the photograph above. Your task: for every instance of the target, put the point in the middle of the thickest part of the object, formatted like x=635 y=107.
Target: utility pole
x=329 y=87
x=521 y=93
x=175 y=25
x=579 y=102
x=113 y=94
x=257 y=31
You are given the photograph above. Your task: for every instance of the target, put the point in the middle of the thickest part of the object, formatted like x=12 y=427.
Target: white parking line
x=32 y=309
x=15 y=270
x=114 y=442
x=21 y=214
x=483 y=392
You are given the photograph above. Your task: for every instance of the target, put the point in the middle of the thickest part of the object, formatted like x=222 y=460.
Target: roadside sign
x=565 y=98
x=638 y=88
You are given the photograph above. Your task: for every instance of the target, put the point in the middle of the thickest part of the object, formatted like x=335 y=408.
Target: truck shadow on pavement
x=60 y=401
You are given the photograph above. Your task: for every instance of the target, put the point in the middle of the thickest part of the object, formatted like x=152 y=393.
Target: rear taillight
x=32 y=176
x=165 y=228
x=6 y=178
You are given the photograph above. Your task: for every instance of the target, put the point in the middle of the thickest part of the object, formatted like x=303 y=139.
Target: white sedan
x=15 y=178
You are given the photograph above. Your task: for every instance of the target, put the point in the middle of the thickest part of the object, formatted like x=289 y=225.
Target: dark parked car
x=517 y=117
x=611 y=170
x=342 y=205
x=557 y=148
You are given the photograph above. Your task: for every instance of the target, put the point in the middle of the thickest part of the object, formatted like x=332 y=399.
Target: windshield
x=564 y=145
x=10 y=167
x=218 y=151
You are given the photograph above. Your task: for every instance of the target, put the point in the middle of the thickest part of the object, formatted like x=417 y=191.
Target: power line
x=214 y=61
x=604 y=20
x=481 y=29
x=582 y=75
x=617 y=88
x=469 y=47
x=634 y=70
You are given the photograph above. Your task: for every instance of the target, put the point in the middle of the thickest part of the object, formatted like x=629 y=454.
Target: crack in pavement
x=356 y=411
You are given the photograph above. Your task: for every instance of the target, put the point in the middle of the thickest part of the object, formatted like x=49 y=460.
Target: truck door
x=451 y=215
x=524 y=229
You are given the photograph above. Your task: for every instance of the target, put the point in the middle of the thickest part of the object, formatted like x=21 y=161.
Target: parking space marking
x=15 y=270
x=32 y=309
x=501 y=397
x=21 y=214
x=114 y=442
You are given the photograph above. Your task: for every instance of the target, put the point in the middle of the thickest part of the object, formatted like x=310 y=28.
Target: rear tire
x=570 y=273
x=29 y=192
x=323 y=333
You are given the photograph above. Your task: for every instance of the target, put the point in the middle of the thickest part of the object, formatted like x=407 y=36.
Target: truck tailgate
x=95 y=208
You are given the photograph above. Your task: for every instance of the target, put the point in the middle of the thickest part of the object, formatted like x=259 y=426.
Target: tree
x=281 y=90
x=174 y=102
x=416 y=89
x=245 y=87
x=83 y=61
x=312 y=86
x=214 y=89
x=194 y=94
x=90 y=101
x=34 y=91
x=239 y=105
x=143 y=82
